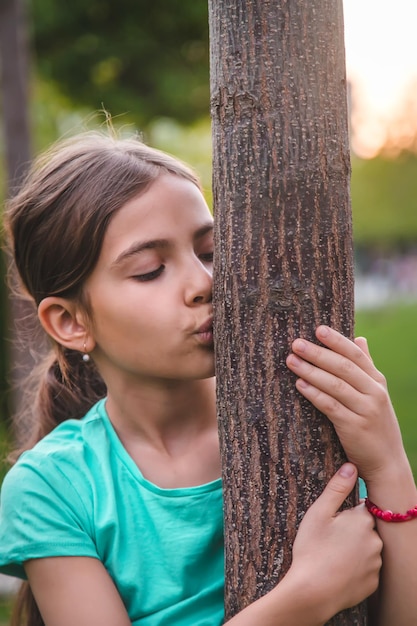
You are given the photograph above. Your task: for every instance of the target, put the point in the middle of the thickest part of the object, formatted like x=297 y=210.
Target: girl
x=115 y=515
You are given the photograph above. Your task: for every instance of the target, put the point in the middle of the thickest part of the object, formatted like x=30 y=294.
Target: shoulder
x=75 y=432
x=48 y=496
x=72 y=437
x=61 y=456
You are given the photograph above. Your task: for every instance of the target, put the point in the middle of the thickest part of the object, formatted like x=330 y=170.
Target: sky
x=381 y=62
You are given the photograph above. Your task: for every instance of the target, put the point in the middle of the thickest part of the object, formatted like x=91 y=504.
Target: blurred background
x=147 y=64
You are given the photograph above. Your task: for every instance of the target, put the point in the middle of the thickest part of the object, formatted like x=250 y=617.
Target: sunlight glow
x=381 y=63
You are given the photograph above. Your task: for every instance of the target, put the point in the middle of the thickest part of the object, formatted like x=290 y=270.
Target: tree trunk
x=14 y=88
x=283 y=265
x=15 y=112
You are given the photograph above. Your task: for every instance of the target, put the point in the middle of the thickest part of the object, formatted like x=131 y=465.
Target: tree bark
x=283 y=265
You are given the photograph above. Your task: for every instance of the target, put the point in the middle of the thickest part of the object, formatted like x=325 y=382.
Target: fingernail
x=323 y=331
x=299 y=345
x=347 y=470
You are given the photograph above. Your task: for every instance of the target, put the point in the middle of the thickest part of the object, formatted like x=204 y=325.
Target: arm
x=336 y=563
x=341 y=380
x=393 y=488
x=75 y=590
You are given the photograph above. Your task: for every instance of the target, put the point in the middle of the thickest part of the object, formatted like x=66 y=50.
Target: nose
x=198 y=283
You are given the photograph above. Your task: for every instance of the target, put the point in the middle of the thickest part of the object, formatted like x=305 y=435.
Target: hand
x=338 y=554
x=342 y=382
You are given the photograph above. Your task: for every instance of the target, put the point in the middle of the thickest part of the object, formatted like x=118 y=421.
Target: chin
x=203 y=374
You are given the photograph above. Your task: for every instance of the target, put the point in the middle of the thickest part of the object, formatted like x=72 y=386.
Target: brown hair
x=55 y=227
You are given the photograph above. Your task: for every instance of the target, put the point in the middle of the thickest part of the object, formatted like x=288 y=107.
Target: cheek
x=145 y=321
x=129 y=311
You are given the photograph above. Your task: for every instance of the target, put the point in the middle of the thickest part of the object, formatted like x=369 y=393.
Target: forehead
x=171 y=207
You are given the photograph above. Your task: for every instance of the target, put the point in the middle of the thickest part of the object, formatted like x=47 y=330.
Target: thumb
x=337 y=490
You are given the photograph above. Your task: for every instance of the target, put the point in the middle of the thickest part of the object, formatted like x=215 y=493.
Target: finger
x=349 y=389
x=363 y=345
x=336 y=491
x=347 y=348
x=348 y=362
x=343 y=410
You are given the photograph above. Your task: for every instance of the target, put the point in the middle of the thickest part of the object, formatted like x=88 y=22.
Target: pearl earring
x=86 y=356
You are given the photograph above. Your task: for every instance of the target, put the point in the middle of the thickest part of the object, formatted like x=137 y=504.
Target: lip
x=205 y=332
x=207 y=326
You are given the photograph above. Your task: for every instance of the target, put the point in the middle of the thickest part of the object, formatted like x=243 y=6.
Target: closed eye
x=143 y=278
x=207 y=257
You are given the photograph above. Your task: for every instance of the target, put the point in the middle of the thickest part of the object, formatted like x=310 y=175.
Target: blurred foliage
x=190 y=143
x=147 y=63
x=135 y=57
x=384 y=201
x=53 y=114
x=5 y=611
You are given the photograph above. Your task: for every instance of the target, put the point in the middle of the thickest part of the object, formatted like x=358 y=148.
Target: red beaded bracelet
x=389 y=516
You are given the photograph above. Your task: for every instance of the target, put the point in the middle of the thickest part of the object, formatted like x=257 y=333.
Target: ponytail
x=64 y=387
x=25 y=610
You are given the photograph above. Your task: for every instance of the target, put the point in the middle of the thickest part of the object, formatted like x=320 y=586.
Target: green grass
x=4 y=611
x=392 y=337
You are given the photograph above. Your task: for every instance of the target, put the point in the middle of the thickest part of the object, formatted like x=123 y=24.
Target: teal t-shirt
x=78 y=493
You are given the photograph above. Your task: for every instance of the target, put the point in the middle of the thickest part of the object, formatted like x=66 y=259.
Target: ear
x=64 y=322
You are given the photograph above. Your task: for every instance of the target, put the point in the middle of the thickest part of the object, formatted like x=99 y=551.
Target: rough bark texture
x=283 y=265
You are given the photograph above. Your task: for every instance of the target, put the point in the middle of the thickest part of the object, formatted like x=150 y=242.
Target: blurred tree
x=135 y=57
x=14 y=79
x=14 y=89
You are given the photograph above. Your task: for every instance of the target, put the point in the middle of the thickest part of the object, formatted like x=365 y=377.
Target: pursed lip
x=206 y=327
x=205 y=332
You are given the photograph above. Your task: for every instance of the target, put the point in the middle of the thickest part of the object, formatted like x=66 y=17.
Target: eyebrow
x=139 y=246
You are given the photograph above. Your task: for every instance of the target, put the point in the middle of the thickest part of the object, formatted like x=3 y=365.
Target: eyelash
x=143 y=278
x=207 y=258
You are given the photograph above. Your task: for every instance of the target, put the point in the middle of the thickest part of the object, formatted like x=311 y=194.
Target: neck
x=154 y=414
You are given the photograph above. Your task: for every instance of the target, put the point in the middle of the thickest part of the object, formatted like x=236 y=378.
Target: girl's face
x=151 y=290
